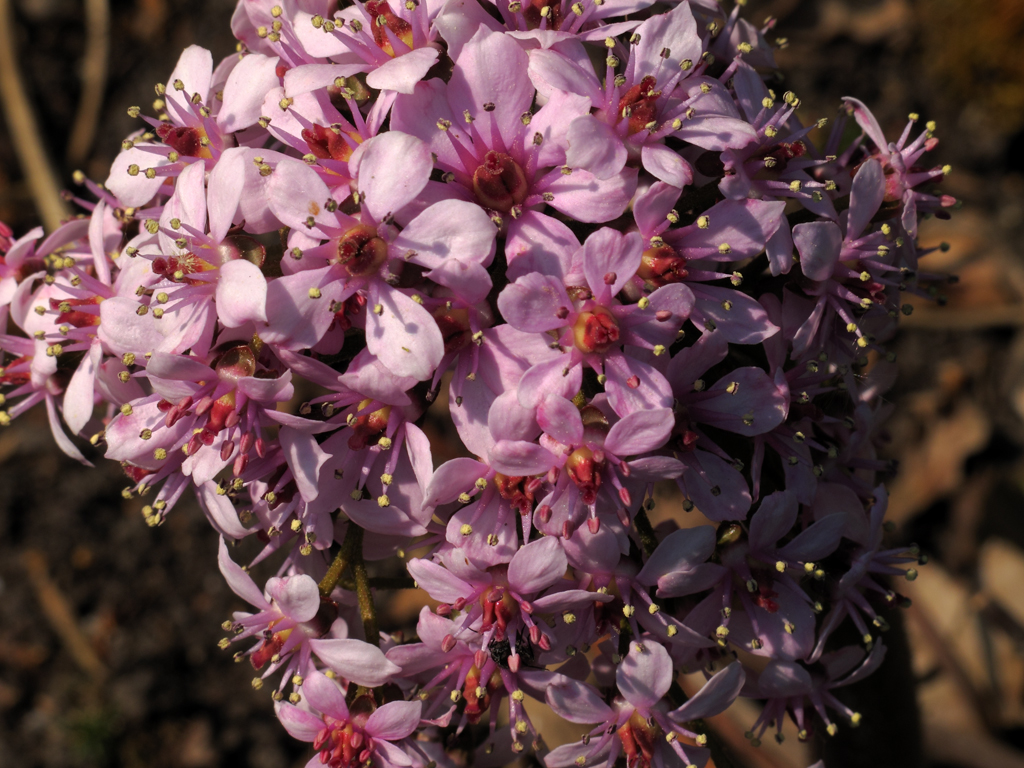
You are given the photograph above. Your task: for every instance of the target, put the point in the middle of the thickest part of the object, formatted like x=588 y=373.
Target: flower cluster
x=595 y=238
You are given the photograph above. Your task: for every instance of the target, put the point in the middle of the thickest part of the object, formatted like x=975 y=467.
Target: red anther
x=443 y=609
x=448 y=643
x=595 y=331
x=931 y=143
x=567 y=530
x=245 y=445
x=532 y=485
x=173 y=416
x=947 y=201
x=204 y=405
x=513 y=663
x=663 y=315
x=544 y=643
x=623 y=515
x=633 y=382
x=226 y=449
x=594 y=524
x=534 y=634
x=625 y=470
x=193 y=444
x=526 y=606
x=499 y=182
x=231 y=419
x=459 y=604
x=322 y=738
x=185 y=403
x=544 y=513
x=627 y=499
x=480 y=658
x=638 y=105
x=164 y=406
x=364 y=756
x=261 y=447
x=562 y=312
x=207 y=436
x=241 y=460
x=610 y=278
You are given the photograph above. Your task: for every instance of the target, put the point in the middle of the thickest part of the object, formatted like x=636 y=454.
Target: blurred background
x=109 y=629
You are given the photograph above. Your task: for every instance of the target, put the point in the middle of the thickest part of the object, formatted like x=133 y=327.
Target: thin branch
x=94 y=80
x=42 y=181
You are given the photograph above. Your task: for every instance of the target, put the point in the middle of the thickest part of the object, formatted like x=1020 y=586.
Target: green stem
x=333 y=575
x=364 y=595
x=648 y=541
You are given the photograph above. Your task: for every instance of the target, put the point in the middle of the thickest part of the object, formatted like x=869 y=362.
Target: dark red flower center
x=595 y=331
x=638 y=106
x=499 y=182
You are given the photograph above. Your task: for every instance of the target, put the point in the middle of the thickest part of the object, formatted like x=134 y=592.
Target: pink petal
x=80 y=396
x=492 y=68
x=224 y=191
x=298 y=196
x=440 y=583
x=715 y=697
x=773 y=520
x=577 y=702
x=818 y=243
x=594 y=146
x=403 y=335
x=298 y=597
x=532 y=303
x=220 y=511
x=178 y=368
x=356 y=661
x=62 y=440
x=590 y=199
x=247 y=84
x=305 y=457
x=644 y=677
x=666 y=165
x=323 y=694
x=554 y=376
x=865 y=197
x=640 y=432
x=241 y=294
x=403 y=72
x=395 y=720
x=382 y=190
x=241 y=583
x=299 y=723
x=607 y=254
x=537 y=566
x=561 y=419
x=519 y=458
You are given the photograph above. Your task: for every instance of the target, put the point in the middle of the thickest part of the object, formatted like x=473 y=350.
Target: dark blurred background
x=108 y=628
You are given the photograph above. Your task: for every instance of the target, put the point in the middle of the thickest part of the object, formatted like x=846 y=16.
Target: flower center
x=185 y=140
x=638 y=105
x=538 y=10
x=499 y=183
x=361 y=252
x=368 y=426
x=638 y=739
x=595 y=331
x=384 y=17
x=584 y=469
x=327 y=144
x=662 y=265
x=455 y=330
